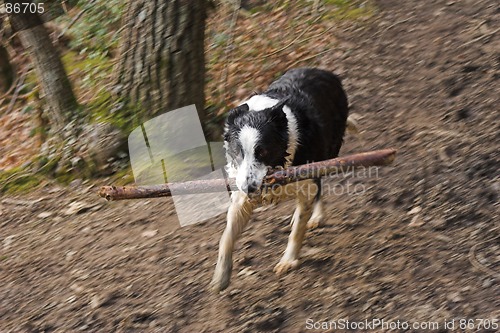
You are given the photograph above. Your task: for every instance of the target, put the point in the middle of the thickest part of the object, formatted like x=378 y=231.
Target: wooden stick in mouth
x=382 y=157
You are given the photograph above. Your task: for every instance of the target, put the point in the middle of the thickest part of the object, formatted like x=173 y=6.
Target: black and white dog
x=300 y=118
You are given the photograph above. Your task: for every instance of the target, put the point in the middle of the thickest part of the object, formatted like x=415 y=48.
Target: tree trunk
x=6 y=71
x=162 y=65
x=63 y=107
x=72 y=144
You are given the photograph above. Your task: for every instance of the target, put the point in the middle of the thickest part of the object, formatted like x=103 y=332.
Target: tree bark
x=6 y=70
x=63 y=107
x=162 y=65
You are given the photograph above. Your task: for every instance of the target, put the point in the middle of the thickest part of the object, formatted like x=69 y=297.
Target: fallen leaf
x=416 y=221
x=44 y=215
x=246 y=272
x=415 y=210
x=7 y=242
x=78 y=208
x=150 y=233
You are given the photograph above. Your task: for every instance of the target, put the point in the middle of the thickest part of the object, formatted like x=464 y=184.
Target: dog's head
x=255 y=141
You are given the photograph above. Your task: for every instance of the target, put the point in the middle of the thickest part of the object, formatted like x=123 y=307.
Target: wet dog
x=300 y=118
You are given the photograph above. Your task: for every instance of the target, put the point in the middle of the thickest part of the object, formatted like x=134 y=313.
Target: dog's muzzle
x=252 y=188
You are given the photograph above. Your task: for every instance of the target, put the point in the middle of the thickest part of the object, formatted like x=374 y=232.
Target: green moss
x=47 y=167
x=65 y=177
x=90 y=70
x=349 y=9
x=340 y=3
x=31 y=80
x=122 y=177
x=104 y=109
x=96 y=29
x=345 y=9
x=187 y=165
x=17 y=181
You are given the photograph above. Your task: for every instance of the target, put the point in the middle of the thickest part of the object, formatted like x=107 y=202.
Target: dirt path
x=419 y=244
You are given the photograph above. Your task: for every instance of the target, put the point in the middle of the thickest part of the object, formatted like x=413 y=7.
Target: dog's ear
x=277 y=110
x=236 y=112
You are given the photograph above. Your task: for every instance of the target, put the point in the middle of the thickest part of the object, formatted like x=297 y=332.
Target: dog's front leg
x=238 y=216
x=305 y=198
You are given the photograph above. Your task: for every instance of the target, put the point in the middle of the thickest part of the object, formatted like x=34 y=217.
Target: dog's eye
x=239 y=152
x=261 y=152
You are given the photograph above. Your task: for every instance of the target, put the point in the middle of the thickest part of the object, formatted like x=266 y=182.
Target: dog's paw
x=284 y=266
x=218 y=286
x=315 y=222
x=222 y=276
x=219 y=283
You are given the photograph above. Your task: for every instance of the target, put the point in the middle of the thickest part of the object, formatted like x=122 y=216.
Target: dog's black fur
x=319 y=103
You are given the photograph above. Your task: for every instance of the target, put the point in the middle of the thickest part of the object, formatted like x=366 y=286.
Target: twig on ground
x=473 y=260
x=227 y=53
x=12 y=87
x=480 y=38
x=19 y=86
x=294 y=40
x=73 y=21
x=381 y=33
x=309 y=58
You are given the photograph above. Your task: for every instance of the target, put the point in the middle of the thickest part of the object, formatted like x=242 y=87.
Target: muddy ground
x=419 y=243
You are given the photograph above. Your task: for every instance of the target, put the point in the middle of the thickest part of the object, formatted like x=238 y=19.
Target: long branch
x=281 y=177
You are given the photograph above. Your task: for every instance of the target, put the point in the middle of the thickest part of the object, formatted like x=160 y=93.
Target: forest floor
x=419 y=243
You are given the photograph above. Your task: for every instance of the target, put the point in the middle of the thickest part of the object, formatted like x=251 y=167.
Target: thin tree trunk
x=63 y=107
x=162 y=64
x=75 y=145
x=6 y=71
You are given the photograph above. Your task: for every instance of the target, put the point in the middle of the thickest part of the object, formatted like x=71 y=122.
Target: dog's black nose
x=252 y=188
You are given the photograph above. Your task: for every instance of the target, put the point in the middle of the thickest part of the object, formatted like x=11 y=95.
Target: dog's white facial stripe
x=262 y=102
x=250 y=171
x=248 y=137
